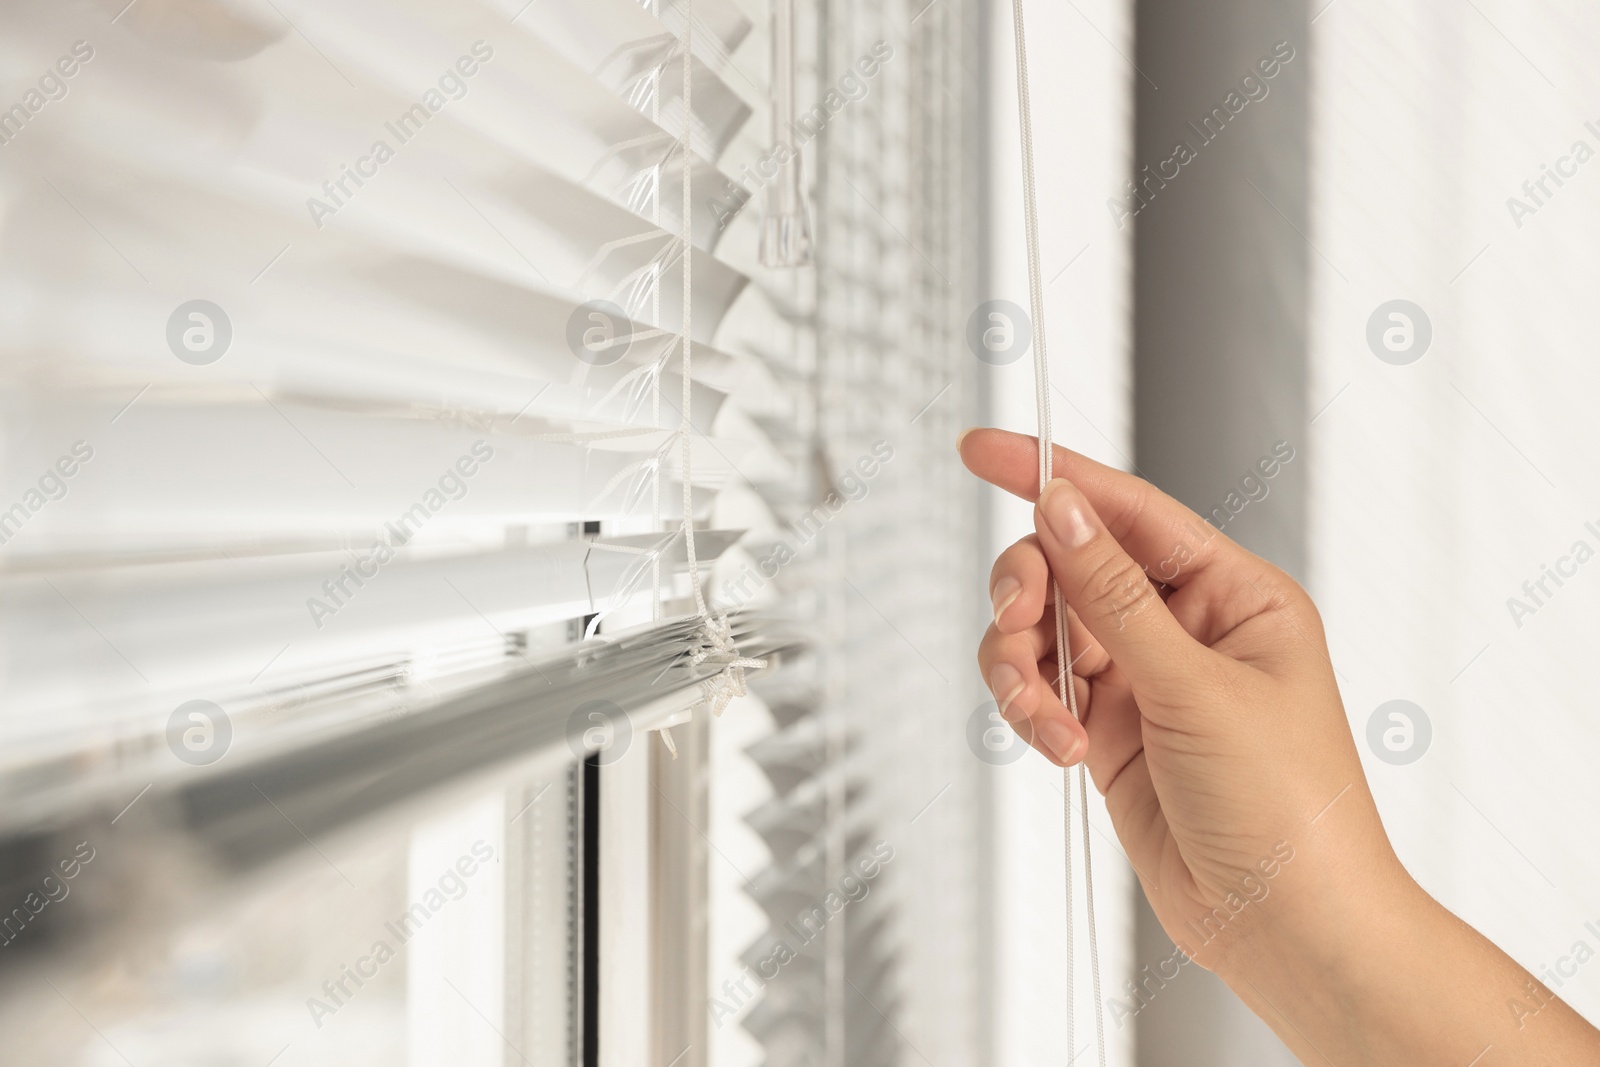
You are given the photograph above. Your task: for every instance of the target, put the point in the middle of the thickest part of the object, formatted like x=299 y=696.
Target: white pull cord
x=1064 y=682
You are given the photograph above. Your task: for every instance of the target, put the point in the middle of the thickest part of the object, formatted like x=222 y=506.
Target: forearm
x=1394 y=978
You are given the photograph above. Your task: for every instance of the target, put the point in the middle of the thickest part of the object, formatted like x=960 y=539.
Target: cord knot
x=714 y=644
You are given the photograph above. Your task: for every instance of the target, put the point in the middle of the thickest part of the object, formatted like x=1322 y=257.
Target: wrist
x=1336 y=952
x=1325 y=925
x=1330 y=925
x=1368 y=969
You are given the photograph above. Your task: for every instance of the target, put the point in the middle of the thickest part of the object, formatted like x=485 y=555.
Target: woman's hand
x=1212 y=723
x=1214 y=727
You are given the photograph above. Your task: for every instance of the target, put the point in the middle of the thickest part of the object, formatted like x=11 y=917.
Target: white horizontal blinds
x=777 y=777
x=774 y=797
x=865 y=732
x=895 y=282
x=929 y=585
x=382 y=447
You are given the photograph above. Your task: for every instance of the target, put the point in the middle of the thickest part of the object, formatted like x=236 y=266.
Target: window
x=340 y=483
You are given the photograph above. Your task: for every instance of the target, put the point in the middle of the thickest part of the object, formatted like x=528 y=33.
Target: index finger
x=1172 y=543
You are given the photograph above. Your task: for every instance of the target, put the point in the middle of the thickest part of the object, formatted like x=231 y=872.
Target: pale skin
x=1212 y=724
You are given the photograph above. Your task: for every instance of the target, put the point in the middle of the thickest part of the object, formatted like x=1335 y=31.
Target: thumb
x=1114 y=598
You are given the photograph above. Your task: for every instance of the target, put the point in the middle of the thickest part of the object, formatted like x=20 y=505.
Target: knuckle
x=1285 y=598
x=988 y=648
x=1115 y=589
x=1018 y=560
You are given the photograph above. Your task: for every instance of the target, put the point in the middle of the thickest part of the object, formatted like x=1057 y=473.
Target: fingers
x=1021 y=589
x=1166 y=538
x=1027 y=697
x=1017 y=585
x=1110 y=713
x=1114 y=599
x=1022 y=645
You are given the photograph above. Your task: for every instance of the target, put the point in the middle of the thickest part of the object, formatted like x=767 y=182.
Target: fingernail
x=1058 y=737
x=1004 y=594
x=1064 y=514
x=962 y=437
x=1005 y=681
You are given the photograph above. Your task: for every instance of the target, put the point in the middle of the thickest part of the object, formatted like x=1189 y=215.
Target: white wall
x=1441 y=486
